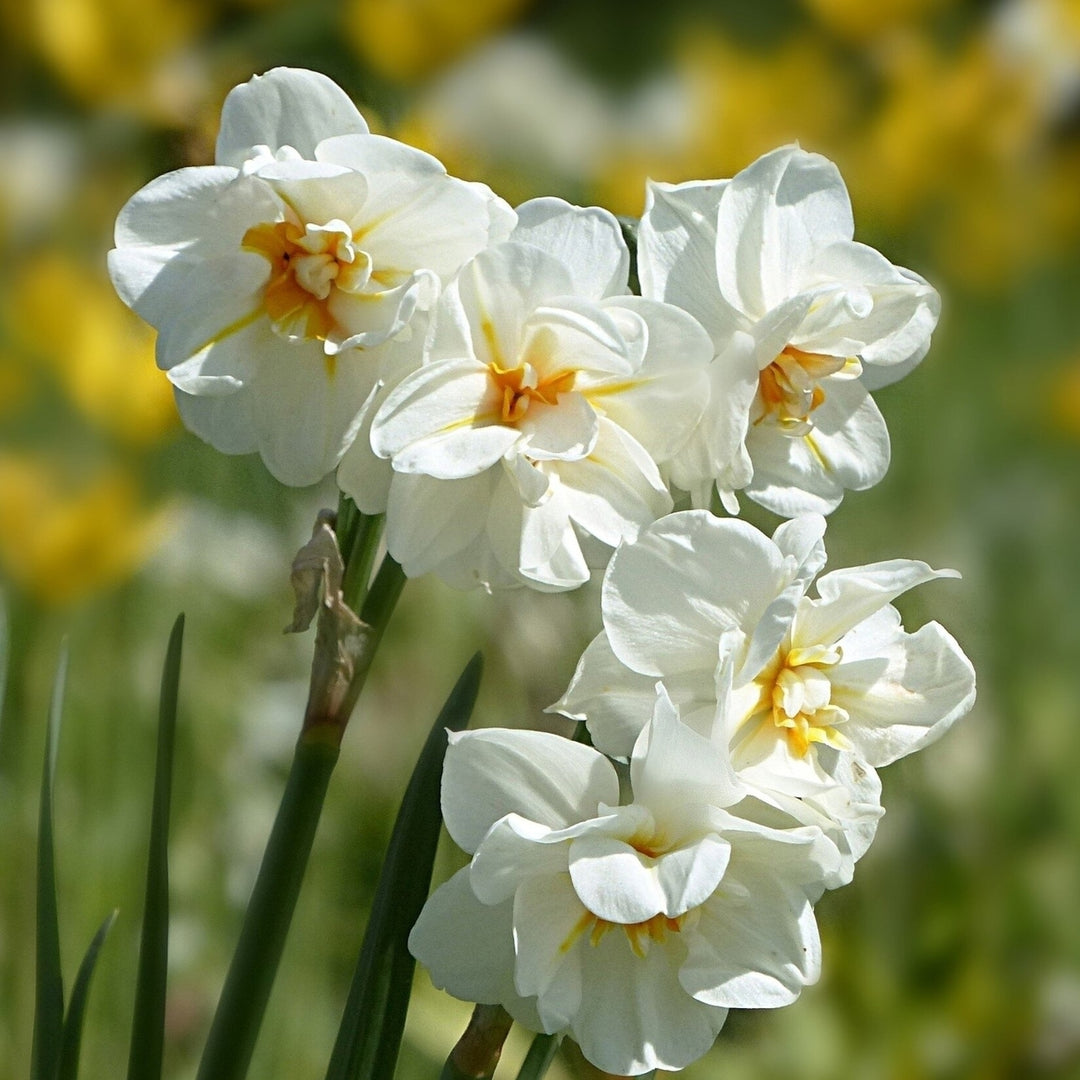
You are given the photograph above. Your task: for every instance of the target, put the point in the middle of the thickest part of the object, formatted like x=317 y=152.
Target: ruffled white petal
x=285 y=107
x=688 y=579
x=904 y=692
x=539 y=776
x=587 y=240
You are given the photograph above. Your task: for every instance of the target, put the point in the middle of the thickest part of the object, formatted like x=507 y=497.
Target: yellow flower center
x=789 y=390
x=519 y=386
x=308 y=263
x=798 y=693
x=639 y=934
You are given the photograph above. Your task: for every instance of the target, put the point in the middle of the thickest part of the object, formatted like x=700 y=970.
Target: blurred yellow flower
x=63 y=538
x=406 y=39
x=102 y=356
x=740 y=103
x=129 y=53
x=859 y=19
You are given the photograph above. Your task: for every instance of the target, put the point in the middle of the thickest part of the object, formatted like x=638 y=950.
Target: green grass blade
x=539 y=1058
x=148 y=1025
x=374 y=1018
x=73 y=1024
x=49 y=1004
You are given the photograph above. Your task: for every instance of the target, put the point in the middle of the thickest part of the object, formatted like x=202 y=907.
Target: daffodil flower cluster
x=485 y=378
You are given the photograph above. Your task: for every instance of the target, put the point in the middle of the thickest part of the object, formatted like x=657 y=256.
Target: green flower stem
x=240 y=1011
x=539 y=1058
x=360 y=557
x=239 y=1015
x=478 y=1050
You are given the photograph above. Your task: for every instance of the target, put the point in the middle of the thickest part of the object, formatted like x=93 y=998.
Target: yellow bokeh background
x=956 y=951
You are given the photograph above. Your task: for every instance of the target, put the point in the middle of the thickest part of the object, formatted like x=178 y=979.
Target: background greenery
x=956 y=952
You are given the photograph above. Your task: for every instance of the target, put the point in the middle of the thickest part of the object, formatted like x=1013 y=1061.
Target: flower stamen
x=789 y=388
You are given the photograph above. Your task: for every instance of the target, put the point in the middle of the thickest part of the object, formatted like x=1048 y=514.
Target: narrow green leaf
x=49 y=1005
x=148 y=1025
x=73 y=1024
x=239 y=1015
x=539 y=1058
x=374 y=1018
x=5 y=649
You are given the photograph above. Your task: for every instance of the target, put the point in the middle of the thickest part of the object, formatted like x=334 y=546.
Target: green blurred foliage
x=956 y=952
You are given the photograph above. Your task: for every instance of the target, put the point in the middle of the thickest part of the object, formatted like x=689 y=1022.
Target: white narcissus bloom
x=281 y=278
x=811 y=694
x=634 y=927
x=547 y=400
x=804 y=322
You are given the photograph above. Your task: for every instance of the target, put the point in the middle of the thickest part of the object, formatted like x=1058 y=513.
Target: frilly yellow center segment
x=789 y=389
x=308 y=263
x=522 y=385
x=796 y=690
x=639 y=934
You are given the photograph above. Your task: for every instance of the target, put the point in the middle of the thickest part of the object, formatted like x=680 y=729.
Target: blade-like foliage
x=374 y=1018
x=148 y=1025
x=73 y=1023
x=49 y=1004
x=539 y=1058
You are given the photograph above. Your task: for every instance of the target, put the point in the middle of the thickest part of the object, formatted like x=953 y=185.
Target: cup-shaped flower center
x=789 y=389
x=535 y=377
x=801 y=699
x=308 y=263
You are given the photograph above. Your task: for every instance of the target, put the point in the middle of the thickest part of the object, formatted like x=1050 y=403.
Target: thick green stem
x=262 y=939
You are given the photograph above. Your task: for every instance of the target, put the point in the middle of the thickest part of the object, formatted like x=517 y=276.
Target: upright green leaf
x=73 y=1024
x=49 y=1004
x=539 y=1058
x=148 y=1025
x=5 y=648
x=374 y=1018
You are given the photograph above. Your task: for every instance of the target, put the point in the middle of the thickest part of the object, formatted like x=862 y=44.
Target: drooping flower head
x=804 y=321
x=547 y=400
x=633 y=927
x=809 y=693
x=278 y=277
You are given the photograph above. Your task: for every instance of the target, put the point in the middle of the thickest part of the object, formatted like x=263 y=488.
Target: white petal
x=773 y=218
x=848 y=596
x=218 y=316
x=567 y=429
x=542 y=777
x=803 y=538
x=444 y=421
x=904 y=312
x=225 y=422
x=615 y=881
x=615 y=490
x=169 y=227
x=616 y=701
x=416 y=215
x=514 y=849
x=660 y=403
x=677 y=254
x=753 y=952
x=546 y=916
x=284 y=107
x=306 y=407
x=669 y=596
x=674 y=766
x=587 y=240
x=499 y=290
x=467 y=947
x=634 y=1015
x=847 y=450
x=429 y=522
x=904 y=693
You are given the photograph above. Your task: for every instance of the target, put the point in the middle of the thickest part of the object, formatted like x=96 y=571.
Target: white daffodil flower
x=804 y=322
x=811 y=694
x=547 y=401
x=634 y=927
x=278 y=277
